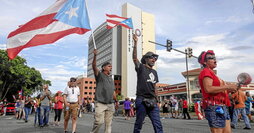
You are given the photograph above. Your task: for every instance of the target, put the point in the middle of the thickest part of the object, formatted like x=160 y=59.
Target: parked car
x=10 y=108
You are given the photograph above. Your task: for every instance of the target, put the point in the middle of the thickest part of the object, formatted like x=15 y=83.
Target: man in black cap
x=146 y=101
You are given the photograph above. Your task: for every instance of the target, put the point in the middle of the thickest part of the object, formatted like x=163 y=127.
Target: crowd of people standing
x=223 y=104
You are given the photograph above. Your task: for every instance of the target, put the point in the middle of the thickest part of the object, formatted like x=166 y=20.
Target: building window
x=86 y=82
x=90 y=88
x=86 y=87
x=91 y=82
x=85 y=92
x=90 y=93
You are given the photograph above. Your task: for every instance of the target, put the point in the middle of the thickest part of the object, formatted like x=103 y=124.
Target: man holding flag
x=64 y=17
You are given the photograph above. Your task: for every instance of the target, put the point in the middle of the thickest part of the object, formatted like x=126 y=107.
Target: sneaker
x=25 y=121
x=46 y=125
x=247 y=128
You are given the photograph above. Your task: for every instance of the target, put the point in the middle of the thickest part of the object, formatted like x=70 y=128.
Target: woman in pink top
x=58 y=107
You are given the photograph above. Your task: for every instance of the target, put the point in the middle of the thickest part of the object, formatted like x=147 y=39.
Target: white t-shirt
x=72 y=94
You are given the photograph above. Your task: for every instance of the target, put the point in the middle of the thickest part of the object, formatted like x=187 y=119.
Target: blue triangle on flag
x=128 y=22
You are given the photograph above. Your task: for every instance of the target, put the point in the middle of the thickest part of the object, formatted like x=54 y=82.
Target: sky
x=225 y=26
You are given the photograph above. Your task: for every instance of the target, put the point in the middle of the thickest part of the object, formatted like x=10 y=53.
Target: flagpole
x=90 y=26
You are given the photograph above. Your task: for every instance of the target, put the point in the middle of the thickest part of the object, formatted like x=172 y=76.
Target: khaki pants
x=103 y=112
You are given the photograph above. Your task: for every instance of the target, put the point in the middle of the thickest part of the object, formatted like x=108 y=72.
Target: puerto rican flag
x=20 y=93
x=64 y=17
x=114 y=20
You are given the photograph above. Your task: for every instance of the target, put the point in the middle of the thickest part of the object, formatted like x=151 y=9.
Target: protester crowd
x=223 y=105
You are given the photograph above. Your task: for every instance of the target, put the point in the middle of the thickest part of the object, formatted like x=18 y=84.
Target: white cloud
x=76 y=62
x=3 y=46
x=230 y=62
x=230 y=19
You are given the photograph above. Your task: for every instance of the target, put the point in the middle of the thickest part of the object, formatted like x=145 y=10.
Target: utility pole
x=188 y=54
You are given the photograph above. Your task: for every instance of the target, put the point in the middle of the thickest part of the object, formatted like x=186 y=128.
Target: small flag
x=114 y=20
x=64 y=17
x=20 y=93
x=14 y=97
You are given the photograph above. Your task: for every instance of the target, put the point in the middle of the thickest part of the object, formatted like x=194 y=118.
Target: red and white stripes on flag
x=114 y=20
x=43 y=29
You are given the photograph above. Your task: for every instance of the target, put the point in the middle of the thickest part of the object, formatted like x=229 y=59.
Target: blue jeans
x=153 y=114
x=37 y=115
x=244 y=116
x=247 y=111
x=27 y=112
x=44 y=115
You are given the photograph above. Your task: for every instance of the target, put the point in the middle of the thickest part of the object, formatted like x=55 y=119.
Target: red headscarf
x=201 y=58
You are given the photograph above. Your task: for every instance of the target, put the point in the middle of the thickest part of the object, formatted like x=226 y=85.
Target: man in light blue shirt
x=248 y=105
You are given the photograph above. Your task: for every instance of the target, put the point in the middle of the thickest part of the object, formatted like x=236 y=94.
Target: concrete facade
x=116 y=46
x=145 y=23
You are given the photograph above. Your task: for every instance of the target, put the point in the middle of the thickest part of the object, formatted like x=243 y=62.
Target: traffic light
x=190 y=52
x=169 y=45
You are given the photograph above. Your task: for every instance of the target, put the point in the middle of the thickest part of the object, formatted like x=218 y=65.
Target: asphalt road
x=8 y=124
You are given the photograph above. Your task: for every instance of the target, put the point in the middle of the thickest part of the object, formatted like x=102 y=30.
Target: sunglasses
x=72 y=81
x=211 y=58
x=153 y=57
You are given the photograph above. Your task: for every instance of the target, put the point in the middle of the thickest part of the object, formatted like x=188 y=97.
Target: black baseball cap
x=147 y=55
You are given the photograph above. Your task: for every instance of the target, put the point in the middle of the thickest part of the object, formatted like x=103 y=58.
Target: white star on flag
x=72 y=12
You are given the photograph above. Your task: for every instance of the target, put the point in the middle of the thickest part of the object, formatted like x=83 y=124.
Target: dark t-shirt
x=28 y=105
x=147 y=78
x=104 y=88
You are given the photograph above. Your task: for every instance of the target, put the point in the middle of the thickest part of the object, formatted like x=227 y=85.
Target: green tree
x=15 y=74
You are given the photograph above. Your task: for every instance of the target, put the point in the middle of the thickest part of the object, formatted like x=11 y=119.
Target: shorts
x=165 y=110
x=247 y=111
x=176 y=108
x=172 y=109
x=17 y=109
x=127 y=112
x=72 y=111
x=216 y=120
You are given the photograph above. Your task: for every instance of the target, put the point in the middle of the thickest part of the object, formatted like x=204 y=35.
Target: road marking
x=8 y=118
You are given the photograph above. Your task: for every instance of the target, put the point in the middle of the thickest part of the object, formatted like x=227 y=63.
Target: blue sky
x=225 y=26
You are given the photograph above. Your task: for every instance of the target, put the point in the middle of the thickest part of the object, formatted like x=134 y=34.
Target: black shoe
x=25 y=121
x=46 y=125
x=247 y=128
x=233 y=127
x=65 y=131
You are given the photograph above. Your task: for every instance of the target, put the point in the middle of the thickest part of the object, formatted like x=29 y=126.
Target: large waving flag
x=64 y=17
x=114 y=20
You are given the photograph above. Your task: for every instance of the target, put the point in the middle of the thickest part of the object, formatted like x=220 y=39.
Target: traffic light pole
x=172 y=49
x=188 y=53
x=187 y=76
